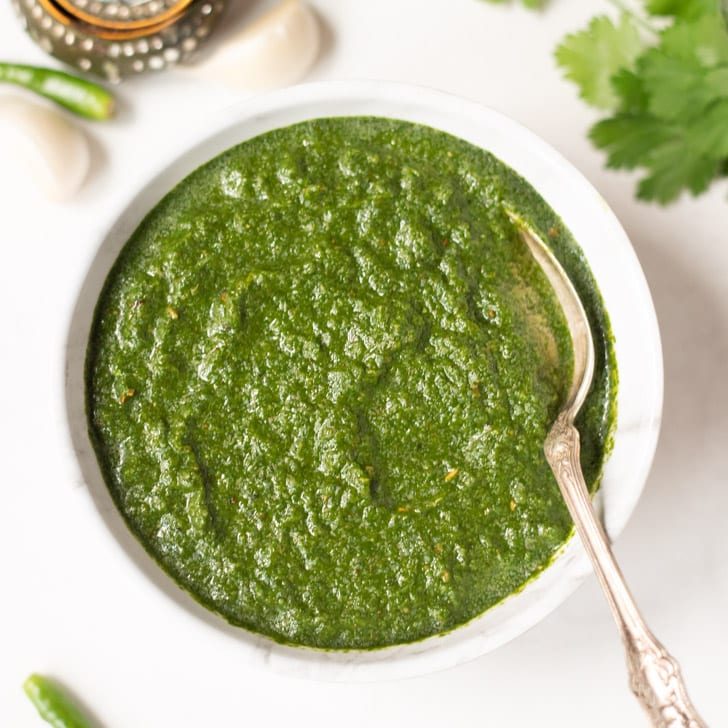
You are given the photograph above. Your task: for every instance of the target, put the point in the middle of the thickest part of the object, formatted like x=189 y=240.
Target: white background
x=73 y=606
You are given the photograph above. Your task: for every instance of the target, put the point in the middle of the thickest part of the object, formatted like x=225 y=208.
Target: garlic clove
x=41 y=147
x=277 y=50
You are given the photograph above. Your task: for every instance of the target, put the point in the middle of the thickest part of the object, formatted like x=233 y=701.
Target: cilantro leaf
x=711 y=131
x=704 y=41
x=676 y=154
x=631 y=139
x=533 y=4
x=686 y=9
x=673 y=169
x=630 y=89
x=669 y=98
x=668 y=151
x=592 y=56
x=680 y=88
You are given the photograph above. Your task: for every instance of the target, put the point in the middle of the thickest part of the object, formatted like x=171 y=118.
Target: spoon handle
x=654 y=674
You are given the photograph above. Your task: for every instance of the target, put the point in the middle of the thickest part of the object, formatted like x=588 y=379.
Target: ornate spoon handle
x=654 y=675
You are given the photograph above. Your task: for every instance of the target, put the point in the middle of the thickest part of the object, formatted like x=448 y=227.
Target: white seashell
x=277 y=50
x=41 y=147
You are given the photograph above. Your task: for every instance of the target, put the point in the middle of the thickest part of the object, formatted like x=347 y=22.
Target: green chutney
x=320 y=376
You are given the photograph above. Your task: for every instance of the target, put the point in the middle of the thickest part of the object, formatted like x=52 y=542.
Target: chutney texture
x=320 y=376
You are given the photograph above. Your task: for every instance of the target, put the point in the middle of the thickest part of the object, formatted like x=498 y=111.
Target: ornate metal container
x=118 y=38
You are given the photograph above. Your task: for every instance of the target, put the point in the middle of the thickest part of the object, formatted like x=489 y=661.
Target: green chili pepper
x=53 y=704
x=75 y=94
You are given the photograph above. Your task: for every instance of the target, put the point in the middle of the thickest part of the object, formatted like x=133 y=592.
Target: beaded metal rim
x=109 y=31
x=122 y=16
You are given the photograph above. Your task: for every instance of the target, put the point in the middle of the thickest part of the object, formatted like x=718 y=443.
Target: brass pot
x=119 y=38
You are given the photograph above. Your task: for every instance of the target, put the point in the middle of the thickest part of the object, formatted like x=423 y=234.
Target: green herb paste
x=320 y=377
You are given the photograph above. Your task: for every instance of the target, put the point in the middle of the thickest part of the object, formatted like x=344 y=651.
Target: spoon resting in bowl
x=654 y=674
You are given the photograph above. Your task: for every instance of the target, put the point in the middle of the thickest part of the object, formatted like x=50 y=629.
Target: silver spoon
x=654 y=674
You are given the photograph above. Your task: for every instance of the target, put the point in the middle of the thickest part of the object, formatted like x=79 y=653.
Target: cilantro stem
x=637 y=18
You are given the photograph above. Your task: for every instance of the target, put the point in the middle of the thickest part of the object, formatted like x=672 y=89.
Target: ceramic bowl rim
x=637 y=343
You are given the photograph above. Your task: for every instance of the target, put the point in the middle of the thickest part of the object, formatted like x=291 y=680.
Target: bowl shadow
x=694 y=331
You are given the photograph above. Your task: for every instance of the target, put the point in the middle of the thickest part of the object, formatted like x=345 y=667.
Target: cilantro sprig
x=666 y=87
x=533 y=4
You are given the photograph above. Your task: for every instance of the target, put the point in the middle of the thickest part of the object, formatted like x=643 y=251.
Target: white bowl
x=618 y=277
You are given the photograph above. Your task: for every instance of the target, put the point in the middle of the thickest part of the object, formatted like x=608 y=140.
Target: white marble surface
x=67 y=596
